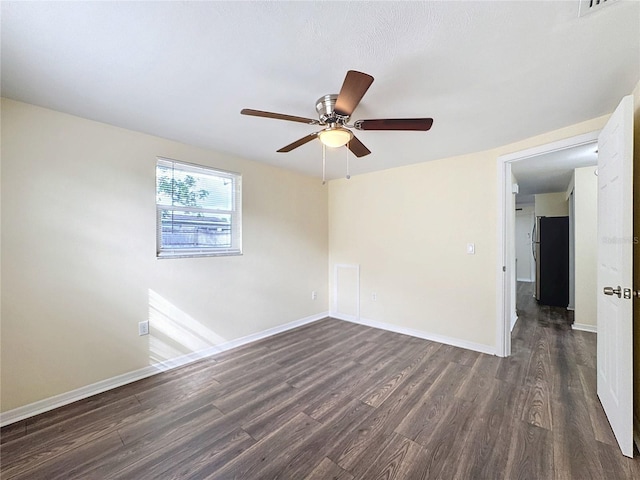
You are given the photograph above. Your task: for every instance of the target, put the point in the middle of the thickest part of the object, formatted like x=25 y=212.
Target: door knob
x=613 y=291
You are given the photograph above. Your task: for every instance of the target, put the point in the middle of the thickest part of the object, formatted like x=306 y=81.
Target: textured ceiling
x=489 y=73
x=551 y=172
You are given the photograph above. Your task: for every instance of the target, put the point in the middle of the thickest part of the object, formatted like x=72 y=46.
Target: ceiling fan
x=334 y=112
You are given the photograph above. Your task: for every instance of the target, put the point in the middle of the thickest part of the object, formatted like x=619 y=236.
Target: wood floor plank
x=447 y=434
x=169 y=422
x=433 y=403
x=327 y=470
x=537 y=410
x=530 y=453
x=13 y=431
x=171 y=394
x=400 y=459
x=235 y=397
x=354 y=450
x=76 y=458
x=312 y=374
x=199 y=456
x=260 y=402
x=601 y=429
x=170 y=442
x=334 y=399
x=487 y=365
x=87 y=406
x=260 y=426
x=588 y=380
x=30 y=451
x=615 y=465
x=378 y=393
x=575 y=448
x=343 y=420
x=275 y=450
x=358 y=455
x=484 y=451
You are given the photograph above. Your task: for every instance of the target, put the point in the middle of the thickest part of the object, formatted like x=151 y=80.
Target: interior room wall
x=551 y=205
x=408 y=229
x=525 y=265
x=79 y=263
x=586 y=247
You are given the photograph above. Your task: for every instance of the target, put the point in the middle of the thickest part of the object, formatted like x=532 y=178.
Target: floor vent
x=588 y=6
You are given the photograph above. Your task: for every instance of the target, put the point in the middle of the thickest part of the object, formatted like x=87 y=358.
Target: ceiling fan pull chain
x=324 y=163
x=347 y=149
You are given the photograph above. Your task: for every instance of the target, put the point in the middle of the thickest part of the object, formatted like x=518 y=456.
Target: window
x=199 y=210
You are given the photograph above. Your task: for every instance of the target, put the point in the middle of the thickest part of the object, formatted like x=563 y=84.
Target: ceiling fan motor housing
x=325 y=106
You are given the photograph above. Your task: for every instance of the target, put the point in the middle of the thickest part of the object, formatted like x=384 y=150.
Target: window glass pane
x=181 y=187
x=187 y=230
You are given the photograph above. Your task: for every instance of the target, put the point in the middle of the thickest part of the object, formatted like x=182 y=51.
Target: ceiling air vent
x=588 y=6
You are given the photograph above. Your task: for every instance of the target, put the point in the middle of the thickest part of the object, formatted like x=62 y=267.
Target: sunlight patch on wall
x=173 y=333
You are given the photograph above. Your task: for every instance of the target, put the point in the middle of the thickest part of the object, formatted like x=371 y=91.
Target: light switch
x=471 y=248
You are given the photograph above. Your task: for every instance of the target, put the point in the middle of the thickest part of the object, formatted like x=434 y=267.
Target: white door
x=615 y=259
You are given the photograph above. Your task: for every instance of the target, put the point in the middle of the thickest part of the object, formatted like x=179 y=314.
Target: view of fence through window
x=198 y=210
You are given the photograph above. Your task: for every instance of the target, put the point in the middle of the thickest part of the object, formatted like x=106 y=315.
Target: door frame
x=505 y=265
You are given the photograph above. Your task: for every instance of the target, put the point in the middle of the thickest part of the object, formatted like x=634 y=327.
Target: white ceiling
x=551 y=172
x=488 y=72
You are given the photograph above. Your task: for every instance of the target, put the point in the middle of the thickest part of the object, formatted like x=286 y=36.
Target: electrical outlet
x=314 y=295
x=143 y=328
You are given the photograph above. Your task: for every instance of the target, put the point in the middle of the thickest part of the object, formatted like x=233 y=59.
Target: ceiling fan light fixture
x=335 y=137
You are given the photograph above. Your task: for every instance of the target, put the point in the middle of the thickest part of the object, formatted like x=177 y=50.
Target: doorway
x=535 y=158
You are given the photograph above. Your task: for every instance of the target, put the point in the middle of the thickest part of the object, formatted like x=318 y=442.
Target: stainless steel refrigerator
x=551 y=254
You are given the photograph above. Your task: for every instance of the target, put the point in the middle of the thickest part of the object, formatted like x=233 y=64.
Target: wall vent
x=588 y=6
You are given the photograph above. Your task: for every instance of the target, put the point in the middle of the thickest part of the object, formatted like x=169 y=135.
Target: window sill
x=165 y=255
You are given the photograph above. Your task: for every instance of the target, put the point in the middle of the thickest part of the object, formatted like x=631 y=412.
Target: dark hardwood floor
x=335 y=400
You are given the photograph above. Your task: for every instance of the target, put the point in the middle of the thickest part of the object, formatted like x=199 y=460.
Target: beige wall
x=586 y=245
x=551 y=205
x=408 y=229
x=79 y=264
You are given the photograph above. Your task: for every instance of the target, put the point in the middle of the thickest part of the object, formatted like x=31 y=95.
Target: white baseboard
x=514 y=319
x=41 y=406
x=455 y=342
x=584 y=327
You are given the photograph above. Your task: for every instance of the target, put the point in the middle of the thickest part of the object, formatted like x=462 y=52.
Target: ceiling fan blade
x=357 y=147
x=298 y=143
x=278 y=116
x=420 y=124
x=354 y=87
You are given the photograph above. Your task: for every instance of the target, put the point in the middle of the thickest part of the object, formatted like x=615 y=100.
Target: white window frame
x=235 y=212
